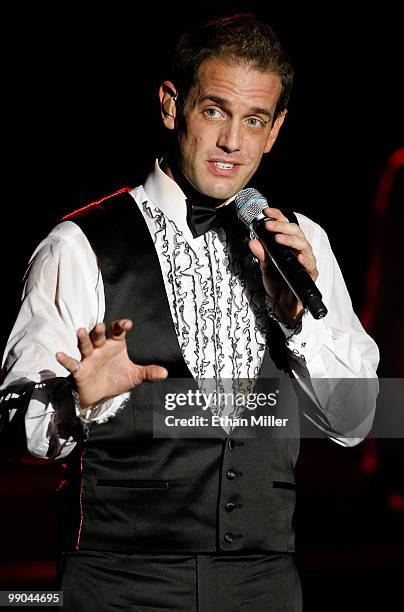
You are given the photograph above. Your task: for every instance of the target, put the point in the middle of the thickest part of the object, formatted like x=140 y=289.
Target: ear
x=273 y=134
x=168 y=96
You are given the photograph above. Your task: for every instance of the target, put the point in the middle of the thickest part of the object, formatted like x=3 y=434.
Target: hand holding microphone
x=281 y=245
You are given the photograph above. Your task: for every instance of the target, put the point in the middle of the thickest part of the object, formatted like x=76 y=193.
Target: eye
x=213 y=113
x=254 y=122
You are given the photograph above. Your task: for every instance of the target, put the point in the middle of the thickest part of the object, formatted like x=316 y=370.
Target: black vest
x=190 y=495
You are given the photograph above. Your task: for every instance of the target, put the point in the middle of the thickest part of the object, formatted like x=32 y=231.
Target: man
x=170 y=521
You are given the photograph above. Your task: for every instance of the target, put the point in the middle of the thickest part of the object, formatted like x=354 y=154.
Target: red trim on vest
x=77 y=547
x=81 y=210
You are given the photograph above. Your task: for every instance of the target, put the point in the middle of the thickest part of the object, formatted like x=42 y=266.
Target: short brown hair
x=241 y=39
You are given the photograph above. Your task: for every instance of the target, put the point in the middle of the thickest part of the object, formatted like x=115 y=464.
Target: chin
x=219 y=192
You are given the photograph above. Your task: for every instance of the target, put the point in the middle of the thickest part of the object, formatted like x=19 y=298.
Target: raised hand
x=105 y=368
x=285 y=304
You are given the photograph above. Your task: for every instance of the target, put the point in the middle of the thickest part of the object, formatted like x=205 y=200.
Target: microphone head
x=249 y=205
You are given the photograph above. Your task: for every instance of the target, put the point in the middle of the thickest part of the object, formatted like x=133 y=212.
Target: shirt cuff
x=288 y=331
x=102 y=411
x=313 y=334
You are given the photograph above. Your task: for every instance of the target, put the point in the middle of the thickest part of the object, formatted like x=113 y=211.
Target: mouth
x=222 y=168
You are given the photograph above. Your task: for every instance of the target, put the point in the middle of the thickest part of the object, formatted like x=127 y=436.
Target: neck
x=171 y=166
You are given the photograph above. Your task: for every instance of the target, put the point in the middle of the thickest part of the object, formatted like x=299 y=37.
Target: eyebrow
x=255 y=110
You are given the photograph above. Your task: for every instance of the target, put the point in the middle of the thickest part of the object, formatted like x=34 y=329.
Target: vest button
x=230 y=444
x=229 y=506
x=228 y=537
x=230 y=474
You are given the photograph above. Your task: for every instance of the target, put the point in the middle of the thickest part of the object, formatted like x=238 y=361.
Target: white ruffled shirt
x=220 y=327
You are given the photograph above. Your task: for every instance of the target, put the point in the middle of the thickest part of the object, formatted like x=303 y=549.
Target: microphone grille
x=249 y=204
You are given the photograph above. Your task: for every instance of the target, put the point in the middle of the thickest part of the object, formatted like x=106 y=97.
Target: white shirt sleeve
x=62 y=267
x=333 y=358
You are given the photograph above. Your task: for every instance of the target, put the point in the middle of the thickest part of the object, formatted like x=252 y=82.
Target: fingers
x=258 y=251
x=310 y=264
x=276 y=214
x=292 y=236
x=88 y=342
x=84 y=343
x=119 y=329
x=97 y=336
x=71 y=364
x=153 y=372
x=289 y=234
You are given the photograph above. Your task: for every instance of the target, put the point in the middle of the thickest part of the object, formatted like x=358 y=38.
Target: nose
x=229 y=138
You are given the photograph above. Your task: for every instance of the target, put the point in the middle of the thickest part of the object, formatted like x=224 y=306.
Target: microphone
x=249 y=204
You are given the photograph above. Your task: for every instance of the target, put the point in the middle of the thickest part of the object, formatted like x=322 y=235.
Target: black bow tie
x=201 y=218
x=201 y=212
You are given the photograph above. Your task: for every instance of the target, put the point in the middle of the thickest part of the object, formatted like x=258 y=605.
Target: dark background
x=82 y=115
x=82 y=119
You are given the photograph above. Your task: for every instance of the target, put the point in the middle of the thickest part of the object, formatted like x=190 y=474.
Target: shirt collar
x=170 y=199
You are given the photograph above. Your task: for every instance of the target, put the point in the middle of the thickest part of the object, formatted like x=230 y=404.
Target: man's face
x=226 y=127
